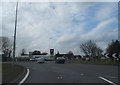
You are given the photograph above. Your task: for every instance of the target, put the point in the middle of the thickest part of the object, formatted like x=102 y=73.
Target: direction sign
x=106 y=55
x=114 y=55
x=118 y=55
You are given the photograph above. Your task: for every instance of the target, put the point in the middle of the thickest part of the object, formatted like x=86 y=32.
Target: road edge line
x=107 y=80
x=27 y=74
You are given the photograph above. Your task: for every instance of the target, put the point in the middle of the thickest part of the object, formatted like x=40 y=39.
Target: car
x=60 y=60
x=33 y=59
x=49 y=59
x=41 y=60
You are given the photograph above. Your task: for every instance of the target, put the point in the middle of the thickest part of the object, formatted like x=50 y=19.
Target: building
x=38 y=54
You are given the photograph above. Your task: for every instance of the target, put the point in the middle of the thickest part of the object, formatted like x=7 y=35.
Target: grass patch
x=0 y=73
x=10 y=72
x=96 y=62
x=0 y=68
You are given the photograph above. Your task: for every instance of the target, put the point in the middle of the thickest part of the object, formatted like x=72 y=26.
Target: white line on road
x=81 y=74
x=28 y=71
x=60 y=77
x=107 y=80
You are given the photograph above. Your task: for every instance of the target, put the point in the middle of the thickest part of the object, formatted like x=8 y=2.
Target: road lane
x=69 y=73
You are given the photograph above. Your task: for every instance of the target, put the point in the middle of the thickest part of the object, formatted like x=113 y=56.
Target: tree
x=70 y=55
x=36 y=52
x=99 y=52
x=44 y=53
x=23 y=52
x=91 y=49
x=113 y=47
x=6 y=48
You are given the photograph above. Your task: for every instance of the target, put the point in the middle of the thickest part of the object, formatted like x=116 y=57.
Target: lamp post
x=15 y=33
x=49 y=44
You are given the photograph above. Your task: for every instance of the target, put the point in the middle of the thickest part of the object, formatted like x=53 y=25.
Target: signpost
x=51 y=52
x=118 y=67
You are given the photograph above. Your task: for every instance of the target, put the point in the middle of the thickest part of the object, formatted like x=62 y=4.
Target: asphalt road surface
x=50 y=72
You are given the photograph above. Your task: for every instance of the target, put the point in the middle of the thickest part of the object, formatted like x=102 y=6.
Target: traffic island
x=12 y=73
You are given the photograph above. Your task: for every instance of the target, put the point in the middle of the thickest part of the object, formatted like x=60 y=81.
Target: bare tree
x=70 y=55
x=4 y=42
x=23 y=52
x=5 y=47
x=90 y=49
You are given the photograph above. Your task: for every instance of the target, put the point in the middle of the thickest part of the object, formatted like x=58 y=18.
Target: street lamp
x=49 y=44
x=15 y=32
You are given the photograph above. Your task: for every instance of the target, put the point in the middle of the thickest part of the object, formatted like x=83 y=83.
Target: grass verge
x=10 y=72
x=97 y=62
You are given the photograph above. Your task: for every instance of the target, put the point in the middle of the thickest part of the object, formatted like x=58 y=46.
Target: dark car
x=60 y=60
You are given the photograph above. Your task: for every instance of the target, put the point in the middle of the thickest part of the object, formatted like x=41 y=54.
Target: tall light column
x=14 y=48
x=50 y=43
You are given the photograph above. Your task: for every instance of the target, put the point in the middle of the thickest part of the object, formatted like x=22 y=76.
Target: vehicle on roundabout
x=41 y=60
x=60 y=60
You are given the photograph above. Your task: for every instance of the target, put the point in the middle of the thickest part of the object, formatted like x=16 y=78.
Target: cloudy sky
x=60 y=25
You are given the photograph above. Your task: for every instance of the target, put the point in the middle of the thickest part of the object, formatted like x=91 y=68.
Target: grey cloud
x=37 y=22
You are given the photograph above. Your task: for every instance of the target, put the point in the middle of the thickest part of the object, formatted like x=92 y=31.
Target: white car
x=41 y=60
x=33 y=59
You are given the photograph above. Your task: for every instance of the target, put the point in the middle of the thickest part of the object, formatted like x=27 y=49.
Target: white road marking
x=60 y=77
x=28 y=71
x=81 y=74
x=107 y=80
x=57 y=77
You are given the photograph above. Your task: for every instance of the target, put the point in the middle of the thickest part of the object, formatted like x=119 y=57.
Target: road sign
x=114 y=55
x=106 y=55
x=118 y=55
x=51 y=51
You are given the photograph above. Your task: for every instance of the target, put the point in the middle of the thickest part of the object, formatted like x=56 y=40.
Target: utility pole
x=14 y=45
